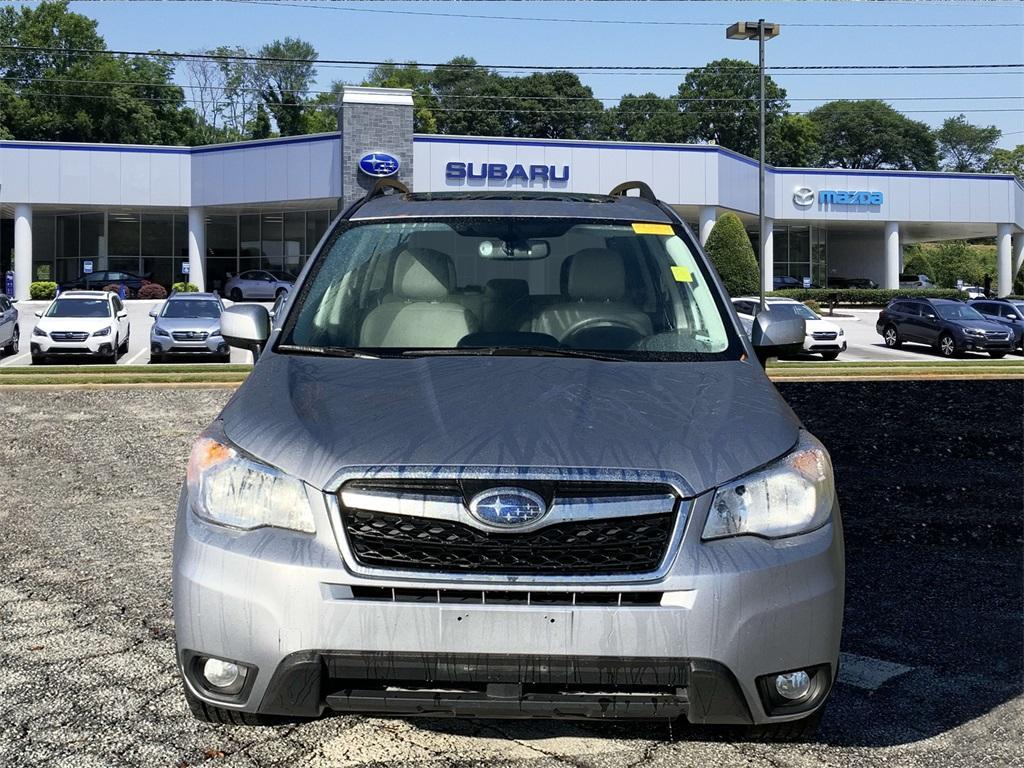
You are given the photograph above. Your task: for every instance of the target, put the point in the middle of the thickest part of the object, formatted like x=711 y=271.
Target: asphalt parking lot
x=929 y=476
x=859 y=325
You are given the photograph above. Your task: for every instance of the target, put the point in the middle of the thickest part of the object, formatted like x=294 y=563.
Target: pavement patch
x=868 y=673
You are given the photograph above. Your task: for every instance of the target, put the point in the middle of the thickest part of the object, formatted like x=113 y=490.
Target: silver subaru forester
x=509 y=454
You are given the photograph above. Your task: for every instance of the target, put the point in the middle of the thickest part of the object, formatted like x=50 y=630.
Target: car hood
x=821 y=326
x=985 y=325
x=188 y=323
x=90 y=324
x=707 y=422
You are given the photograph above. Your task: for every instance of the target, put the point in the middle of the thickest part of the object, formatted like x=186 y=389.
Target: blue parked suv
x=1007 y=312
x=950 y=326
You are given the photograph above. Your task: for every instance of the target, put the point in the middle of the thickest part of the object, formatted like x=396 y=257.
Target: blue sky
x=370 y=35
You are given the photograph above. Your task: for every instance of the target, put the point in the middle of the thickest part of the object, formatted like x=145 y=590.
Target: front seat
x=597 y=314
x=420 y=314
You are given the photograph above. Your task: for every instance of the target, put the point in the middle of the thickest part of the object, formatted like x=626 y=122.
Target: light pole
x=759 y=30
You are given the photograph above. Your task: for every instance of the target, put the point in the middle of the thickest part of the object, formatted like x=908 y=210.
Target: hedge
x=185 y=288
x=730 y=251
x=868 y=296
x=42 y=290
x=152 y=291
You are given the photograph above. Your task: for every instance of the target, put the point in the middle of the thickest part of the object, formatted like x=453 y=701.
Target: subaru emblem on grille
x=507 y=507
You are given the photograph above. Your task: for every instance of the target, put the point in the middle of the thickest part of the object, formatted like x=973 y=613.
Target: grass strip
x=214 y=368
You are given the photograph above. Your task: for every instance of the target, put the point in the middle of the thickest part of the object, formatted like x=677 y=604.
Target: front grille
x=997 y=335
x=824 y=335
x=189 y=335
x=69 y=335
x=633 y=542
x=503 y=597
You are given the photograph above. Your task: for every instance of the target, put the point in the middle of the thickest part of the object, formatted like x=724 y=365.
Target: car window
x=201 y=308
x=957 y=312
x=1019 y=309
x=79 y=308
x=247 y=276
x=471 y=282
x=985 y=308
x=118 y=306
x=1007 y=311
x=286 y=277
x=909 y=308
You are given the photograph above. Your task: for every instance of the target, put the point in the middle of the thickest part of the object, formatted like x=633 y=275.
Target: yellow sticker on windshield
x=682 y=274
x=642 y=228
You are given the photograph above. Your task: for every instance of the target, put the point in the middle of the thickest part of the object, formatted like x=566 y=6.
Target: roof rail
x=381 y=185
x=646 y=192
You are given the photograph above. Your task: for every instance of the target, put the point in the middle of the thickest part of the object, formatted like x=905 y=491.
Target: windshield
x=191 y=308
x=79 y=308
x=799 y=310
x=957 y=312
x=637 y=290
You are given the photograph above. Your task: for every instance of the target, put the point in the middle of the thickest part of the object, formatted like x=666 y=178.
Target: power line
x=448 y=65
x=570 y=20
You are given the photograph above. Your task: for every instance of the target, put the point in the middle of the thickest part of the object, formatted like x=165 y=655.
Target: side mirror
x=930 y=316
x=122 y=314
x=39 y=313
x=153 y=313
x=246 y=326
x=774 y=332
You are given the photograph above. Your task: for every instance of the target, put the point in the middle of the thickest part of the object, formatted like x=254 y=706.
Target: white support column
x=1004 y=275
x=892 y=255
x=708 y=216
x=197 y=248
x=768 y=267
x=22 y=251
x=1017 y=246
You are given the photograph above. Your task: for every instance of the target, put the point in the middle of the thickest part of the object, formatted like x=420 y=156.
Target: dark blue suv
x=951 y=327
x=1007 y=312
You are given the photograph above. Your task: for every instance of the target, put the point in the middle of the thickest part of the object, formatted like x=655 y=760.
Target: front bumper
x=211 y=345
x=91 y=345
x=320 y=639
x=978 y=344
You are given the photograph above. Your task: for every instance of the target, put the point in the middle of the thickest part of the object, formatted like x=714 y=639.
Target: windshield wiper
x=512 y=351
x=326 y=351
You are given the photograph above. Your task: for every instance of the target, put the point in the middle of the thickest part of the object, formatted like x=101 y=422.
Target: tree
x=871 y=134
x=1007 y=161
x=794 y=141
x=284 y=77
x=965 y=147
x=241 y=90
x=469 y=98
x=730 y=251
x=551 y=105
x=409 y=75
x=647 y=117
x=322 y=112
x=259 y=128
x=954 y=260
x=722 y=99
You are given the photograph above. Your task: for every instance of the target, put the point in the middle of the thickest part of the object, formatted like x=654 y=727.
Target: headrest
x=597 y=274
x=423 y=274
x=507 y=288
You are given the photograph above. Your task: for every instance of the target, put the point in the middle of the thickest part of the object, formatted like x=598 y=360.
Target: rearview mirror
x=775 y=332
x=246 y=326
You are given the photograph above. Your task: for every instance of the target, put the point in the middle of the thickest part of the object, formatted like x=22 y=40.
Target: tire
x=829 y=355
x=225 y=358
x=892 y=337
x=236 y=294
x=14 y=345
x=38 y=359
x=123 y=349
x=795 y=730
x=112 y=358
x=155 y=358
x=208 y=713
x=947 y=346
x=997 y=355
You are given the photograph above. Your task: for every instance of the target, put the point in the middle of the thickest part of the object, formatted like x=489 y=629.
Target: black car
x=788 y=283
x=97 y=281
x=851 y=282
x=951 y=327
x=1007 y=312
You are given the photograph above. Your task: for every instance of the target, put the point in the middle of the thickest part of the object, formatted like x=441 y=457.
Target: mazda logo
x=803 y=196
x=507 y=507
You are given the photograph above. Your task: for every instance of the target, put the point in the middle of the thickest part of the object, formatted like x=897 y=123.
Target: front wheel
x=891 y=337
x=829 y=355
x=114 y=352
x=12 y=346
x=947 y=346
x=997 y=355
x=38 y=359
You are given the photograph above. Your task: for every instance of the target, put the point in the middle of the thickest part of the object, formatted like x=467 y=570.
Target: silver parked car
x=509 y=456
x=10 y=331
x=188 y=323
x=267 y=284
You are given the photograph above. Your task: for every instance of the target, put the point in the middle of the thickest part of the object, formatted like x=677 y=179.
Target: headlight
x=842 y=332
x=160 y=331
x=103 y=332
x=215 y=331
x=794 y=495
x=234 y=490
x=974 y=332
x=37 y=331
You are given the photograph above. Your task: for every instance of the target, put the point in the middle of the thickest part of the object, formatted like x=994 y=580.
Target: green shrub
x=185 y=288
x=730 y=251
x=877 y=297
x=42 y=291
x=152 y=291
x=813 y=306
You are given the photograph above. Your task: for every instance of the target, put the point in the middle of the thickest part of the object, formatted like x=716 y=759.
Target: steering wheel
x=612 y=334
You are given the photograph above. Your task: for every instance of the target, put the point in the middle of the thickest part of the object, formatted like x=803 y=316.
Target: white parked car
x=974 y=292
x=822 y=337
x=258 y=284
x=82 y=323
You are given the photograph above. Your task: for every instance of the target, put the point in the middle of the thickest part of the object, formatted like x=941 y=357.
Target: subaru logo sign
x=507 y=507
x=379 y=164
x=803 y=196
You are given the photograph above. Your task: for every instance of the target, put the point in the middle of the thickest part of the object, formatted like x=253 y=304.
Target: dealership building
x=200 y=213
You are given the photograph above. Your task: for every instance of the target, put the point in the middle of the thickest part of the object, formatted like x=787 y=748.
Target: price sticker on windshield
x=643 y=228
x=682 y=274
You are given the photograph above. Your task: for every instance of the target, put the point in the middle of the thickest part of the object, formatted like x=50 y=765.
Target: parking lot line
x=134 y=358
